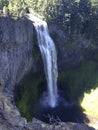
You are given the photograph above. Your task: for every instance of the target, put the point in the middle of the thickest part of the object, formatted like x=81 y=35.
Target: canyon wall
x=72 y=52
x=16 y=51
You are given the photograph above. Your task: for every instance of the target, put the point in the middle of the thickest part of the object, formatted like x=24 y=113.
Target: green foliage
x=5 y=10
x=29 y=95
x=17 y=8
x=94 y=2
x=81 y=79
x=3 y=3
x=24 y=106
x=75 y=17
x=90 y=103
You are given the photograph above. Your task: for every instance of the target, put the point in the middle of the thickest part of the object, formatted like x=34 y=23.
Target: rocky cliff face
x=71 y=53
x=16 y=60
x=16 y=55
x=16 y=50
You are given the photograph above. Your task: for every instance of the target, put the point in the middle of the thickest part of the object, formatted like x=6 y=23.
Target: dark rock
x=16 y=55
x=72 y=53
x=16 y=60
x=82 y=127
x=39 y=125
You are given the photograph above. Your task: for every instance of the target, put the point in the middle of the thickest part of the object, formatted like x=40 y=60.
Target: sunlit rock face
x=16 y=55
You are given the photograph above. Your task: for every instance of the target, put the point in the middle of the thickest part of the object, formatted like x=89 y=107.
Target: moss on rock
x=29 y=95
x=80 y=79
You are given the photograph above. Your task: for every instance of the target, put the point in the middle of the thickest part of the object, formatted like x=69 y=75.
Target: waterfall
x=49 y=56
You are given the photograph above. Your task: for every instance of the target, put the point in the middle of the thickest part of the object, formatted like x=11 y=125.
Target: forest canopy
x=75 y=17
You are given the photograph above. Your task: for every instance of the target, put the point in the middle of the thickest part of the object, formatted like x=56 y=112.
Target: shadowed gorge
x=67 y=103
x=48 y=74
x=72 y=81
x=31 y=102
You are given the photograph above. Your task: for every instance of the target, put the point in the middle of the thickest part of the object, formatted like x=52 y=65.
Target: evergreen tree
x=3 y=3
x=75 y=18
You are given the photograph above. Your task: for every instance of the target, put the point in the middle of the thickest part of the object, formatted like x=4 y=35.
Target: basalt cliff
x=17 y=58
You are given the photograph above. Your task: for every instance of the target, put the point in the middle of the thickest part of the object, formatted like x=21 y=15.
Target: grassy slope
x=90 y=103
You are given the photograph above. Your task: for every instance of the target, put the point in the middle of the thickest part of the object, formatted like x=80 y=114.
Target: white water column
x=49 y=57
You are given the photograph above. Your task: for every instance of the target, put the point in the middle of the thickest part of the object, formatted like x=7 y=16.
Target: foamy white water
x=49 y=57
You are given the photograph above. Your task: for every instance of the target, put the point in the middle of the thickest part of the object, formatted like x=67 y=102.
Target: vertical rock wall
x=16 y=51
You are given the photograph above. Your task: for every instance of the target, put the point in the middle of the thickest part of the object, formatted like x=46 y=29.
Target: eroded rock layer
x=16 y=55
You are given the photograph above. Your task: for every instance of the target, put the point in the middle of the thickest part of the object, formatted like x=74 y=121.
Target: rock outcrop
x=10 y=118
x=16 y=51
x=39 y=125
x=16 y=60
x=71 y=53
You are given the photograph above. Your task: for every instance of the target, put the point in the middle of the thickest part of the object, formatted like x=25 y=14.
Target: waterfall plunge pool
x=66 y=110
x=31 y=101
x=52 y=104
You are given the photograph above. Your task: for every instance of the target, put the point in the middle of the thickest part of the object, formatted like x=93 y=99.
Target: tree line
x=75 y=17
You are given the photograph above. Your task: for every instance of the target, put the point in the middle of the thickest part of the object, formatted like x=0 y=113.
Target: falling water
x=49 y=57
